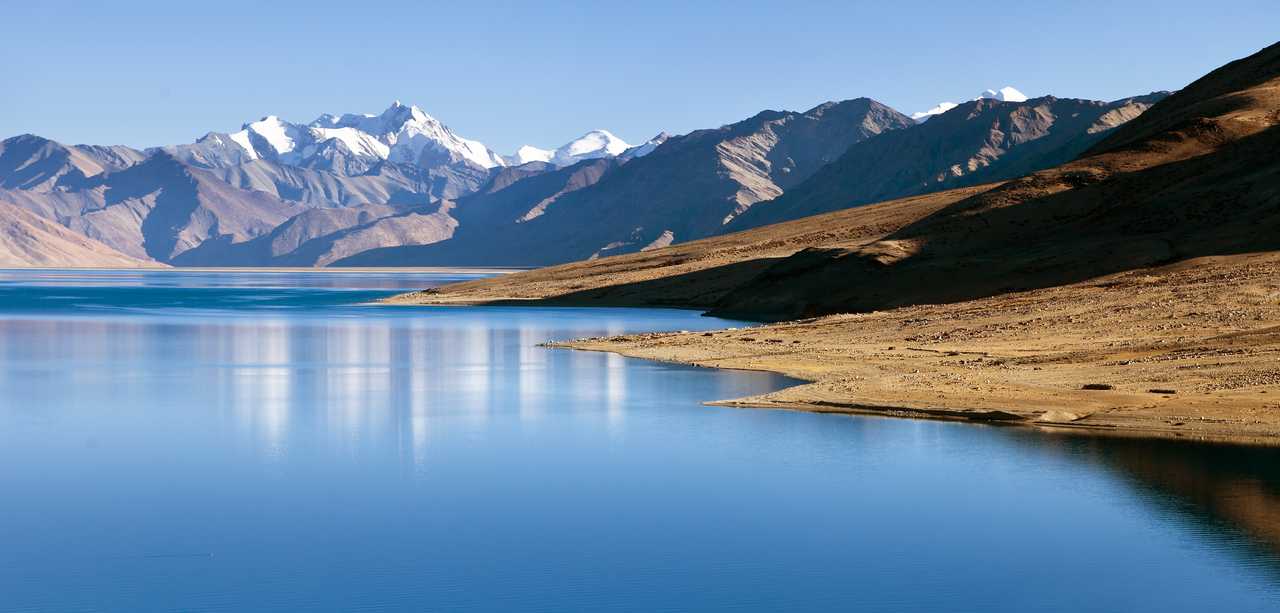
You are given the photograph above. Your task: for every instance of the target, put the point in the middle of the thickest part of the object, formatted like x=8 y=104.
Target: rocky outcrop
x=976 y=142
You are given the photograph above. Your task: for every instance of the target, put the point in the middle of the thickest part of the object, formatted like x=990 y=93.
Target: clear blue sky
x=149 y=73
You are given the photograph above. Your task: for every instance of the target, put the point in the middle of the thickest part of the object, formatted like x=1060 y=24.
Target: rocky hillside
x=984 y=140
x=275 y=192
x=26 y=239
x=1194 y=176
x=689 y=187
x=402 y=189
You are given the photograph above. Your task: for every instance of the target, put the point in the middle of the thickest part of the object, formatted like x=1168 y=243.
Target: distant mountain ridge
x=689 y=187
x=401 y=188
x=27 y=239
x=980 y=141
x=1005 y=94
x=1192 y=182
x=353 y=143
x=592 y=145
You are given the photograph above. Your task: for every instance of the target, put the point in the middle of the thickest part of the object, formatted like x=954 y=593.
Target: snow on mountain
x=589 y=146
x=528 y=153
x=357 y=142
x=282 y=137
x=1004 y=94
x=401 y=134
x=592 y=145
x=646 y=147
x=923 y=116
x=242 y=138
x=409 y=132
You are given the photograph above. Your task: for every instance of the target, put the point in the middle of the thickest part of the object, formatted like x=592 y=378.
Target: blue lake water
x=194 y=441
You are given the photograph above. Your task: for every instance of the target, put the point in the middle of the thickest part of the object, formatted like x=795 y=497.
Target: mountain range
x=1129 y=289
x=400 y=188
x=1161 y=186
x=1004 y=94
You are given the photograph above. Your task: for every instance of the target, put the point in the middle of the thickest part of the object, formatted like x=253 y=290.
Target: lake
x=232 y=441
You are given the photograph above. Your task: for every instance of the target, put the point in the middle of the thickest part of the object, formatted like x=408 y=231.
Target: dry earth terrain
x=1191 y=350
x=1134 y=289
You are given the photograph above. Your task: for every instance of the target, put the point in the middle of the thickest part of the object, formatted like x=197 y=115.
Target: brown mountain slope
x=166 y=205
x=695 y=274
x=158 y=208
x=28 y=162
x=1156 y=262
x=497 y=215
x=26 y=239
x=977 y=142
x=317 y=237
x=689 y=187
x=673 y=196
x=1196 y=175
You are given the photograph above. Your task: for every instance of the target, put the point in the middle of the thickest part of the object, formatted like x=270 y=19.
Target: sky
x=512 y=73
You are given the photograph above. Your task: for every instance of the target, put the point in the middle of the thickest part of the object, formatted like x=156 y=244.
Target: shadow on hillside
x=697 y=289
x=1011 y=239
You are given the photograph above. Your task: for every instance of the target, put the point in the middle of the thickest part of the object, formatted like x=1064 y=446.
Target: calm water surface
x=251 y=441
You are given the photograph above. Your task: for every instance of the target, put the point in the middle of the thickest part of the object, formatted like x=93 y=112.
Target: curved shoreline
x=799 y=398
x=1188 y=351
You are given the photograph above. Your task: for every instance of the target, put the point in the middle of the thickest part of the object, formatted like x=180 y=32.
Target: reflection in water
x=1230 y=493
x=361 y=381
x=263 y=445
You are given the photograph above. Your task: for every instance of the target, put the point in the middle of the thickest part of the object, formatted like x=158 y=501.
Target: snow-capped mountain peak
x=393 y=120
x=942 y=107
x=403 y=134
x=1004 y=94
x=281 y=136
x=528 y=153
x=646 y=147
x=596 y=143
x=589 y=146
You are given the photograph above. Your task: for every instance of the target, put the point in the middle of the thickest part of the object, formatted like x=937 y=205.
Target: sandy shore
x=1190 y=350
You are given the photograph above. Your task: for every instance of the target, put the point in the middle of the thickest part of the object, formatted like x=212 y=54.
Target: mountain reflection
x=363 y=387
x=1227 y=492
x=441 y=453
x=360 y=383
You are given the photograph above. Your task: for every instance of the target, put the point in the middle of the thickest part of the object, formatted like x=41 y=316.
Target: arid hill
x=977 y=142
x=689 y=187
x=1194 y=176
x=697 y=274
x=27 y=239
x=1133 y=290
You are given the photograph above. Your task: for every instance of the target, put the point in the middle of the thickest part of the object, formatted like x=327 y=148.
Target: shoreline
x=1187 y=351
x=1158 y=428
